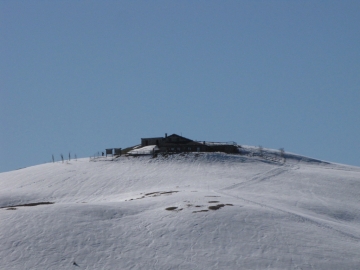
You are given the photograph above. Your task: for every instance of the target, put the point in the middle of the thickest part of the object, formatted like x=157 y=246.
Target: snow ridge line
x=298 y=217
x=264 y=176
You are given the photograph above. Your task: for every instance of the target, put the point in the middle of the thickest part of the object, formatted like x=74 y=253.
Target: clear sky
x=82 y=76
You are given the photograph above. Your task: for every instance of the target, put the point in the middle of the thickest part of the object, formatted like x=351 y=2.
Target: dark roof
x=178 y=136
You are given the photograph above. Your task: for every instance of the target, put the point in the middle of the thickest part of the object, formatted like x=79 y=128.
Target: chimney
x=165 y=135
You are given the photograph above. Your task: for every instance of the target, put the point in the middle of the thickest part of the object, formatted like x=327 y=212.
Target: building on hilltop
x=177 y=144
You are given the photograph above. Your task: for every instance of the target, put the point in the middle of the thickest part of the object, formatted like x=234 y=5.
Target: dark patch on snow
x=27 y=204
x=154 y=194
x=200 y=211
x=216 y=207
x=158 y=193
x=168 y=192
x=171 y=208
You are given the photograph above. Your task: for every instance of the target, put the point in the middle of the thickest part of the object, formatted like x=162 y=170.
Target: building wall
x=176 y=144
x=224 y=148
x=178 y=148
x=151 y=141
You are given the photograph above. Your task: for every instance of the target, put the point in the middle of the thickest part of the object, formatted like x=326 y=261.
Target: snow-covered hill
x=195 y=211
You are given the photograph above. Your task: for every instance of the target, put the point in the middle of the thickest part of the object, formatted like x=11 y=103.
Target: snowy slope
x=302 y=214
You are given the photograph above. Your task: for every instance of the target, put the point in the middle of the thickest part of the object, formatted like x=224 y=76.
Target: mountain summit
x=182 y=211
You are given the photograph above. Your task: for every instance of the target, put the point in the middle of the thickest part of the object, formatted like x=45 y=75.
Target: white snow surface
x=301 y=214
x=146 y=150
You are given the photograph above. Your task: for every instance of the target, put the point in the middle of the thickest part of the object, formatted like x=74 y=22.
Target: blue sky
x=82 y=76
